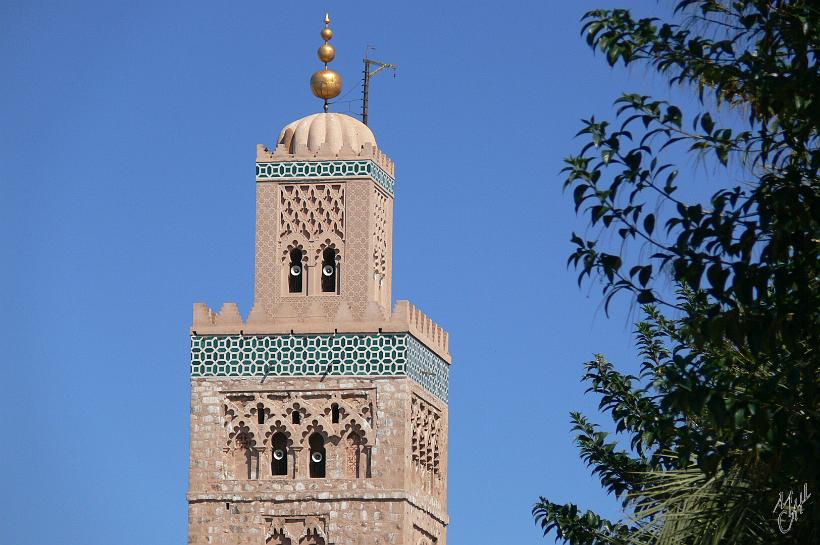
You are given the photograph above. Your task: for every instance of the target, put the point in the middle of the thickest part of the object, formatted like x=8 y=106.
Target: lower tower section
x=319 y=438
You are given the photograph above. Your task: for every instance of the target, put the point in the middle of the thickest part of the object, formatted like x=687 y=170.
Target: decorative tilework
x=382 y=178
x=427 y=369
x=309 y=355
x=325 y=169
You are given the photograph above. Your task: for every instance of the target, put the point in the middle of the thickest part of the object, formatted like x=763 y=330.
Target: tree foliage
x=725 y=413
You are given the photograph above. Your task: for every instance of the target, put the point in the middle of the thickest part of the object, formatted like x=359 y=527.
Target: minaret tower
x=321 y=417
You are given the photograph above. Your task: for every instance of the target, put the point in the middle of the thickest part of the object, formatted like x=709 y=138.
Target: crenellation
x=422 y=327
x=405 y=318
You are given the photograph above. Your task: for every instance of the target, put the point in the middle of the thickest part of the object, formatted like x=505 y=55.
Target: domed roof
x=326 y=134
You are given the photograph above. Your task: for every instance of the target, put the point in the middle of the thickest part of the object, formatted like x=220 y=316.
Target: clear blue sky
x=127 y=147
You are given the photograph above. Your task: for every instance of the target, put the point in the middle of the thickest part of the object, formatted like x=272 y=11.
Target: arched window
x=296 y=417
x=243 y=457
x=279 y=454
x=296 y=272
x=330 y=271
x=334 y=413
x=317 y=456
x=260 y=414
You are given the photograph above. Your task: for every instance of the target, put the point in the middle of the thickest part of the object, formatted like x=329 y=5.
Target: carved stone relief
x=311 y=211
x=344 y=419
x=426 y=441
x=296 y=530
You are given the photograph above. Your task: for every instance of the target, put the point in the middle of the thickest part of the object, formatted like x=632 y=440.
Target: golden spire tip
x=326 y=84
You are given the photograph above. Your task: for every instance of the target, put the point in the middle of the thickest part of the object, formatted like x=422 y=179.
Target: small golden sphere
x=326 y=84
x=327 y=34
x=327 y=53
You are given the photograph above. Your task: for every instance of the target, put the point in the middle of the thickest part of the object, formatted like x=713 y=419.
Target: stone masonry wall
x=235 y=499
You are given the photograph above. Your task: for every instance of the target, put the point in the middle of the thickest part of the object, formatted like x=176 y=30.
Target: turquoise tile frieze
x=382 y=354
x=427 y=369
x=325 y=169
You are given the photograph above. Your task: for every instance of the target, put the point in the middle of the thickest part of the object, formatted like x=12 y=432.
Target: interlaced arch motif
x=241 y=436
x=293 y=530
x=426 y=442
x=295 y=245
x=304 y=411
x=353 y=428
x=333 y=243
x=275 y=427
x=278 y=537
x=240 y=451
x=350 y=431
x=316 y=427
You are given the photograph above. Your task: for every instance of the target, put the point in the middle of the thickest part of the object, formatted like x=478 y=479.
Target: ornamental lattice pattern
x=426 y=439
x=426 y=445
x=311 y=211
x=380 y=205
x=267 y=279
x=357 y=239
x=376 y=354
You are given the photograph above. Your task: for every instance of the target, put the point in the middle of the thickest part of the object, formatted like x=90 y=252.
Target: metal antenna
x=368 y=74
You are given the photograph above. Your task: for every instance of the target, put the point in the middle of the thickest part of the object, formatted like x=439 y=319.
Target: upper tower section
x=324 y=223
x=324 y=232
x=324 y=210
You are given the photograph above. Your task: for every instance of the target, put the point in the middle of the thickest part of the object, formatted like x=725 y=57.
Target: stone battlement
x=281 y=154
x=405 y=317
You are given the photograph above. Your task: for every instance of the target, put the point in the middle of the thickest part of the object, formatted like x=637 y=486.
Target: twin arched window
x=353 y=457
x=329 y=282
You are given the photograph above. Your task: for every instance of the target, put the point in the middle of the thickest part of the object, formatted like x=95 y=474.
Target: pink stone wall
x=365 y=244
x=396 y=504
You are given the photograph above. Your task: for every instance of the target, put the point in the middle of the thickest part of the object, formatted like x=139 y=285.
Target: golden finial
x=326 y=83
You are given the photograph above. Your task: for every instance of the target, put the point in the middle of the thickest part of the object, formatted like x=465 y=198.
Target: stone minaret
x=321 y=418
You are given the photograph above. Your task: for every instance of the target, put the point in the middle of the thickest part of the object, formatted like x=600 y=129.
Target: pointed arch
x=241 y=443
x=317 y=456
x=279 y=454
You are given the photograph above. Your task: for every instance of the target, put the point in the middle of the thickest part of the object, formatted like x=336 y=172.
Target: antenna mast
x=368 y=74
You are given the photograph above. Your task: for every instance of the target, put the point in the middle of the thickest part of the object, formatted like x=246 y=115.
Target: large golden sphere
x=327 y=34
x=327 y=53
x=326 y=84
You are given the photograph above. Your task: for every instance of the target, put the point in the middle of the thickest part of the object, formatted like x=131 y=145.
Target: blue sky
x=127 y=147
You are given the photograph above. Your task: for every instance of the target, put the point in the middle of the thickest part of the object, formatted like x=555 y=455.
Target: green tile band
x=377 y=354
x=325 y=169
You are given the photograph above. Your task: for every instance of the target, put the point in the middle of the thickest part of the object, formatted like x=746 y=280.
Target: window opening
x=296 y=271
x=330 y=273
x=317 y=456
x=279 y=454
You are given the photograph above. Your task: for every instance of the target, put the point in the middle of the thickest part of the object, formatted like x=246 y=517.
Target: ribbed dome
x=328 y=132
